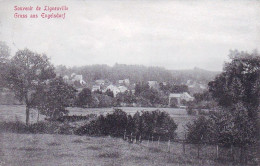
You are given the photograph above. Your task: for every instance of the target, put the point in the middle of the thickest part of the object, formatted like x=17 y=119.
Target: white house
x=125 y=82
x=100 y=82
x=113 y=88
x=95 y=88
x=78 y=78
x=153 y=84
x=65 y=78
x=122 y=89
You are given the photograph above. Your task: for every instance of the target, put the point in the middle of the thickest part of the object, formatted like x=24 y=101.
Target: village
x=124 y=86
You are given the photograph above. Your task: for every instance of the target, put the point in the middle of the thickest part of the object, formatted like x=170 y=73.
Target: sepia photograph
x=129 y=82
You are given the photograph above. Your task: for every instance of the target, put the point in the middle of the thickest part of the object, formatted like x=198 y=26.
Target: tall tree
x=84 y=97
x=237 y=90
x=26 y=71
x=239 y=82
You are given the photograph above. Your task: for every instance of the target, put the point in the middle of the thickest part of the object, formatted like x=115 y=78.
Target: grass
x=53 y=144
x=109 y=155
x=154 y=150
x=78 y=141
x=94 y=148
x=55 y=149
x=22 y=148
x=31 y=149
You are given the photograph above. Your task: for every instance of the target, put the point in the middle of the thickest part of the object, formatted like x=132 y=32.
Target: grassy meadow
x=53 y=150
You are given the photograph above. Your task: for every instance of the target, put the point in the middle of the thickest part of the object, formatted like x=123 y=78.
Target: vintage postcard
x=129 y=82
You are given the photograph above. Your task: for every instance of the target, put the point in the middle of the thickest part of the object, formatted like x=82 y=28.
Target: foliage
x=109 y=93
x=239 y=82
x=4 y=58
x=84 y=98
x=237 y=91
x=200 y=131
x=147 y=96
x=4 y=52
x=147 y=124
x=39 y=127
x=172 y=88
x=127 y=97
x=53 y=98
x=25 y=72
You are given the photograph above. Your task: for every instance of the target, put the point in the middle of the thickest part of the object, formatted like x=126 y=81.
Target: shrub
x=146 y=125
x=40 y=127
x=200 y=131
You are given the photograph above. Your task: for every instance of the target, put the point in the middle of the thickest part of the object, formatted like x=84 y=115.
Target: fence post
x=198 y=150
x=125 y=135
x=148 y=141
x=135 y=140
x=184 y=143
x=158 y=141
x=152 y=139
x=232 y=154
x=183 y=147
x=140 y=137
x=169 y=143
x=241 y=155
x=217 y=150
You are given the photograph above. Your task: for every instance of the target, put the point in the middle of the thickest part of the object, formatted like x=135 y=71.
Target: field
x=53 y=150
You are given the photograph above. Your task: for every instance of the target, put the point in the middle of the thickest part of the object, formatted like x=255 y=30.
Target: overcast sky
x=170 y=34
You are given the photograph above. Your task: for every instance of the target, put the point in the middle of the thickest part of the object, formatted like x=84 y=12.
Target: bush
x=146 y=125
x=200 y=131
x=40 y=127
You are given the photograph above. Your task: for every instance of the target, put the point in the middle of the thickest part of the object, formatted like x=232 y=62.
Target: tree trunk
x=27 y=115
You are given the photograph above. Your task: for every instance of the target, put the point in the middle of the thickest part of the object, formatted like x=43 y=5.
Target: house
x=65 y=78
x=153 y=84
x=100 y=82
x=121 y=81
x=122 y=89
x=72 y=75
x=78 y=78
x=177 y=98
x=113 y=88
x=95 y=88
x=125 y=82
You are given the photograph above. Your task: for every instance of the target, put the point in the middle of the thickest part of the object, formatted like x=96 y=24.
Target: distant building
x=122 y=89
x=176 y=98
x=72 y=75
x=65 y=78
x=125 y=82
x=113 y=88
x=95 y=88
x=78 y=78
x=153 y=84
x=100 y=82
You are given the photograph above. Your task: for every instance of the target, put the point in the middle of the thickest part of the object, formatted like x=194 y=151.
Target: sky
x=170 y=34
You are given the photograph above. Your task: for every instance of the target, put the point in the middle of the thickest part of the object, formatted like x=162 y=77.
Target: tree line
x=237 y=94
